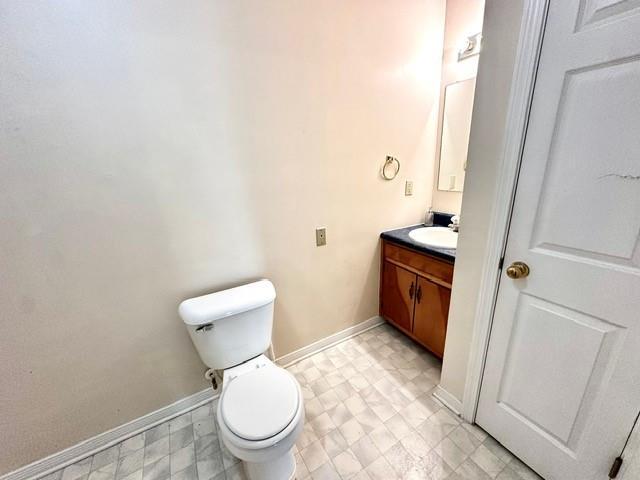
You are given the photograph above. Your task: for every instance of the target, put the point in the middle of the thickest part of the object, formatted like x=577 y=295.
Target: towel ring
x=387 y=163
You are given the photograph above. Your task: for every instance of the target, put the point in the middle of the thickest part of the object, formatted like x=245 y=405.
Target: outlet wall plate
x=321 y=236
x=408 y=188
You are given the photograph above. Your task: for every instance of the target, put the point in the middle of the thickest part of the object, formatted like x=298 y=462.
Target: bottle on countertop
x=428 y=218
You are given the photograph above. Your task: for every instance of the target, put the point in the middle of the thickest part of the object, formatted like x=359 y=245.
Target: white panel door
x=561 y=386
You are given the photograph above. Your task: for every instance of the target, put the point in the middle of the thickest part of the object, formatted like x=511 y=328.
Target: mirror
x=454 y=142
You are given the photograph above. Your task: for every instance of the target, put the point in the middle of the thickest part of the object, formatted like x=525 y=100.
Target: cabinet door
x=431 y=312
x=398 y=292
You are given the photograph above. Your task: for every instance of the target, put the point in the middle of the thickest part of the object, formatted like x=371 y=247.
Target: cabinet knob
x=412 y=290
x=419 y=293
x=518 y=270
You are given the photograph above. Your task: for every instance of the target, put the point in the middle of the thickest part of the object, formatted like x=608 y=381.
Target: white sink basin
x=438 y=237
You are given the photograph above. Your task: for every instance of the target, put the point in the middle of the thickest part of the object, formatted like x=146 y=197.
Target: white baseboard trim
x=331 y=340
x=93 y=445
x=448 y=400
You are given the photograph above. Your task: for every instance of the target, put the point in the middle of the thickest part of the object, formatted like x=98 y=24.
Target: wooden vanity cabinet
x=415 y=290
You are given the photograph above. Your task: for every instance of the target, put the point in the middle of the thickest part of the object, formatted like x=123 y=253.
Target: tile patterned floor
x=370 y=415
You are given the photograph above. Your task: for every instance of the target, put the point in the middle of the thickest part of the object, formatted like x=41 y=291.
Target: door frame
x=532 y=27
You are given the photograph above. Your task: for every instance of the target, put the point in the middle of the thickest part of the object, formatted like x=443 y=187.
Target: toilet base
x=281 y=468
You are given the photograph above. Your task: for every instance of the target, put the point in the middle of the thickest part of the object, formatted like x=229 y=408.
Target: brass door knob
x=518 y=270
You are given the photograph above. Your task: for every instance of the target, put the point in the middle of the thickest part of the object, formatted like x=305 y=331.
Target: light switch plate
x=321 y=236
x=408 y=188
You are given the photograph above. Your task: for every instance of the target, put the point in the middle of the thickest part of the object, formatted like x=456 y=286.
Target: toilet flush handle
x=204 y=328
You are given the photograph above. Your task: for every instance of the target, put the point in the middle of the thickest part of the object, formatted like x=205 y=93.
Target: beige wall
x=153 y=151
x=500 y=38
x=463 y=18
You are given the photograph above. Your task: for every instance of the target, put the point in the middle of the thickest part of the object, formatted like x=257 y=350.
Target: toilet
x=260 y=411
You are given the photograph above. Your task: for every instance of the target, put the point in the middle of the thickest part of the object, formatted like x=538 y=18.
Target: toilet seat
x=260 y=404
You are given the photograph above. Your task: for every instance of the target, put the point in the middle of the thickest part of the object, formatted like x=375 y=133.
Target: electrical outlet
x=321 y=236
x=408 y=188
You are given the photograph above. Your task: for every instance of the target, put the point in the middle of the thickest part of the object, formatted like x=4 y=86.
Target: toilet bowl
x=260 y=416
x=261 y=410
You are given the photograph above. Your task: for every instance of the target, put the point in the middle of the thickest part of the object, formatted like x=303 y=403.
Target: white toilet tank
x=231 y=326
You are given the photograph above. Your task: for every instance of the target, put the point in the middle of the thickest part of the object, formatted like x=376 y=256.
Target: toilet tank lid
x=217 y=305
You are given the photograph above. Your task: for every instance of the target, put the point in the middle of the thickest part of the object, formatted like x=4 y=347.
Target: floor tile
x=399 y=459
x=325 y=472
x=156 y=433
x=130 y=464
x=203 y=427
x=206 y=446
x=159 y=470
x=415 y=445
x=320 y=386
x=181 y=438
x=365 y=451
x=155 y=451
x=314 y=456
x=508 y=474
x=329 y=400
x=369 y=415
x=188 y=473
x=498 y=450
x=302 y=471
x=476 y=431
x=346 y=464
x=307 y=437
x=228 y=460
x=209 y=467
x=432 y=432
x=132 y=444
x=355 y=404
x=105 y=457
x=199 y=413
x=486 y=460
x=351 y=430
x=466 y=441
x=362 y=475
x=381 y=470
x=383 y=438
x=313 y=408
x=180 y=422
x=137 y=475
x=339 y=414
x=398 y=426
x=105 y=472
x=181 y=459
x=334 y=443
x=451 y=453
x=236 y=472
x=469 y=470
x=344 y=391
x=322 y=425
x=77 y=470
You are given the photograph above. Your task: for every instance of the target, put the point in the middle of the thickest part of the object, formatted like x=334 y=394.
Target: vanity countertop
x=401 y=237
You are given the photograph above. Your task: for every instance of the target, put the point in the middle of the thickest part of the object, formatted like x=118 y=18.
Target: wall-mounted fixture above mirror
x=454 y=143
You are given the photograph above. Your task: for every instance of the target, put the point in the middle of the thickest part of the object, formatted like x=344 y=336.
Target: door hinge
x=500 y=263
x=615 y=468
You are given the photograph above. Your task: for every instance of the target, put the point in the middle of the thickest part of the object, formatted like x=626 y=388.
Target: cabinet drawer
x=417 y=261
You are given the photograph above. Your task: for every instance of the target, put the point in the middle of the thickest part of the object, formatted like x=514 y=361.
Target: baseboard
x=331 y=340
x=93 y=445
x=449 y=401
